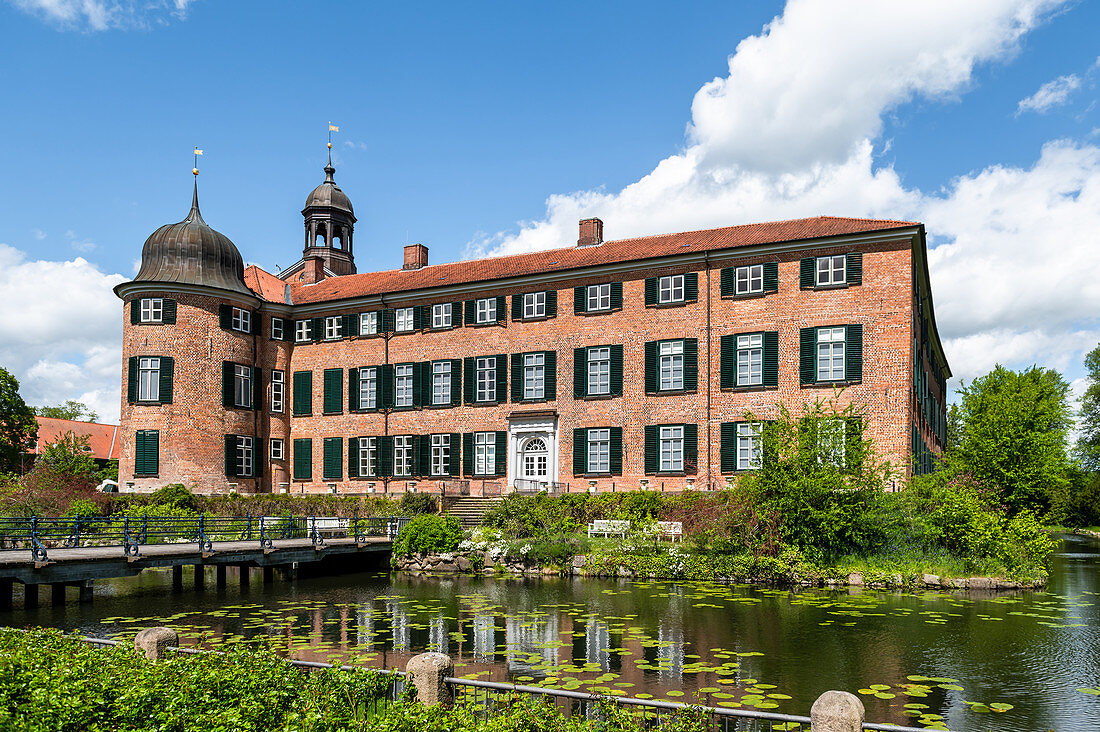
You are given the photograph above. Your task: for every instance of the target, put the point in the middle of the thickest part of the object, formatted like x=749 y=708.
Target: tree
x=1014 y=432
x=17 y=425
x=70 y=456
x=1088 y=444
x=71 y=409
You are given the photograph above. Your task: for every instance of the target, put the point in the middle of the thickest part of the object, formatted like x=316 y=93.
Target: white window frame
x=486 y=310
x=485 y=453
x=749 y=280
x=829 y=352
x=671 y=449
x=151 y=310
x=303 y=331
x=442 y=316
x=403 y=320
x=748 y=446
x=670 y=366
x=402 y=456
x=368 y=457
x=242 y=386
x=534 y=375
x=670 y=289
x=148 y=379
x=485 y=373
x=534 y=305
x=599 y=370
x=277 y=325
x=278 y=390
x=830 y=270
x=750 y=359
x=368 y=323
x=441 y=383
x=278 y=448
x=403 y=384
x=440 y=454
x=599 y=297
x=599 y=450
x=241 y=320
x=334 y=328
x=246 y=458
x=368 y=387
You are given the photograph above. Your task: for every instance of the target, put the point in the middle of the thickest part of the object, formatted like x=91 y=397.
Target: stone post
x=154 y=642
x=837 y=711
x=426 y=672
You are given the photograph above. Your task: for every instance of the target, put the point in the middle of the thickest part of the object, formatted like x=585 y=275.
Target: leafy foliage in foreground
x=428 y=534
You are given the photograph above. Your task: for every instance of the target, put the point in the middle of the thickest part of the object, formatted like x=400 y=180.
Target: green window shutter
x=650 y=291
x=727 y=447
x=468 y=454
x=254 y=326
x=131 y=379
x=517 y=377
x=551 y=303
x=418 y=317
x=303 y=459
x=257 y=392
x=580 y=373
x=616 y=295
x=853 y=353
x=333 y=465
x=727 y=282
x=135 y=311
x=454 y=442
x=551 y=372
x=167 y=372
x=616 y=453
x=422 y=384
x=351 y=325
x=317 y=329
x=168 y=315
x=727 y=361
x=652 y=460
x=806 y=273
x=227 y=384
x=691 y=286
x=456 y=313
x=771 y=276
x=651 y=367
x=807 y=356
x=231 y=456
x=353 y=389
x=502 y=308
x=580 y=300
x=691 y=448
x=502 y=378
x=469 y=312
x=387 y=320
x=456 y=381
x=502 y=453
x=385 y=456
x=386 y=384
x=147 y=452
x=617 y=370
x=470 y=382
x=580 y=450
x=771 y=358
x=225 y=316
x=333 y=400
x=422 y=455
x=139 y=452
x=353 y=457
x=303 y=393
x=517 y=307
x=853 y=268
x=691 y=364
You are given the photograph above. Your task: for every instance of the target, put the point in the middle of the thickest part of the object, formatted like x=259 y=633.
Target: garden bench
x=605 y=527
x=331 y=526
x=672 y=529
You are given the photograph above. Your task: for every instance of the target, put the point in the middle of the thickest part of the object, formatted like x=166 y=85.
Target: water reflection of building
x=597 y=639
x=527 y=638
x=364 y=626
x=485 y=642
x=437 y=634
x=670 y=651
x=399 y=626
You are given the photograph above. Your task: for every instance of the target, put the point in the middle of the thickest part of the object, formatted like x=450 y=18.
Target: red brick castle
x=629 y=362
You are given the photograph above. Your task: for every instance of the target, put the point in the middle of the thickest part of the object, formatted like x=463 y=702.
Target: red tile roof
x=102 y=438
x=266 y=285
x=572 y=257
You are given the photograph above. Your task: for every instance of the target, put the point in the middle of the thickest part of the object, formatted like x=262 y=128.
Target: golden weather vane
x=331 y=128
x=195 y=170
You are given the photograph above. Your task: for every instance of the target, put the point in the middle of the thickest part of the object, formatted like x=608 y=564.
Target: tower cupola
x=330 y=224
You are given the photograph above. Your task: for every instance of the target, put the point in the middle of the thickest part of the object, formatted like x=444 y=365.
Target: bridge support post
x=86 y=588
x=177 y=578
x=30 y=597
x=427 y=672
x=220 y=575
x=289 y=572
x=246 y=575
x=836 y=711
x=6 y=586
x=269 y=575
x=200 y=576
x=57 y=593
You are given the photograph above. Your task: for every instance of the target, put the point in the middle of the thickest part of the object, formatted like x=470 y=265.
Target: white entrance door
x=535 y=460
x=532 y=450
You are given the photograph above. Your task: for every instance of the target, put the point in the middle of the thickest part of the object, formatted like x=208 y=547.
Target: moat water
x=954 y=654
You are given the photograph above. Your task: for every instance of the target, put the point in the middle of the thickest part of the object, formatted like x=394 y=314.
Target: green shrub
x=83 y=508
x=177 y=495
x=412 y=504
x=428 y=534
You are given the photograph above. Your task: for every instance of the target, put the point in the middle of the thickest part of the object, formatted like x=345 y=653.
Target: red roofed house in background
x=599 y=365
x=103 y=439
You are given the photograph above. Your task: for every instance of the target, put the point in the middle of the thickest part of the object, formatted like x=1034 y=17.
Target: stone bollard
x=154 y=642
x=837 y=711
x=426 y=672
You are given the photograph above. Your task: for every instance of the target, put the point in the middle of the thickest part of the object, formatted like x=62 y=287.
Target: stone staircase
x=469 y=510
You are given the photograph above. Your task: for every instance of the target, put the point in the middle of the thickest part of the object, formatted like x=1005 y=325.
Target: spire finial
x=195 y=215
x=328 y=168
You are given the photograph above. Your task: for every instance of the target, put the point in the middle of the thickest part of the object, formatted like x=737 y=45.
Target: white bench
x=672 y=529
x=605 y=527
x=330 y=525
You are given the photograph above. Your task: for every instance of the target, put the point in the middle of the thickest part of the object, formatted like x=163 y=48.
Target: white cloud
x=100 y=15
x=39 y=234
x=1054 y=93
x=80 y=245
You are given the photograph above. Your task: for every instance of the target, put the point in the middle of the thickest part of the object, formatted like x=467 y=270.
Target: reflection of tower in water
x=484 y=638
x=531 y=637
x=437 y=634
x=399 y=626
x=597 y=639
x=364 y=626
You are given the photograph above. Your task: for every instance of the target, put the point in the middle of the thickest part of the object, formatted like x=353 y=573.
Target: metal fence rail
x=39 y=534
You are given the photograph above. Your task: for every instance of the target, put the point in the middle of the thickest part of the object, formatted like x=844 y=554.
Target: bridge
x=74 y=552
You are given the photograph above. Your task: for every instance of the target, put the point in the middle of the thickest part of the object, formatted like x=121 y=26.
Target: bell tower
x=330 y=224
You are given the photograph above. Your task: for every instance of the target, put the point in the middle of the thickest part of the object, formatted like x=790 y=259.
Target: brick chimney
x=591 y=233
x=314 y=270
x=416 y=256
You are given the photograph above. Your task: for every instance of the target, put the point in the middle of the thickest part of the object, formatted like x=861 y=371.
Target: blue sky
x=491 y=128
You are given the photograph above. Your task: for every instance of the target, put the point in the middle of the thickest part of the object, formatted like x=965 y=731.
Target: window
x=402 y=456
x=242 y=320
x=750 y=359
x=830 y=270
x=599 y=297
x=146 y=452
x=278 y=390
x=148 y=379
x=303 y=331
x=486 y=374
x=276 y=448
x=671 y=365
x=403 y=320
x=672 y=449
x=441 y=383
x=485 y=453
x=302 y=403
x=535 y=459
x=599 y=451
x=244 y=456
x=599 y=370
x=441 y=315
x=441 y=454
x=670 y=288
x=534 y=305
x=368 y=324
x=830 y=354
x=368 y=457
x=303 y=459
x=276 y=329
x=403 y=386
x=334 y=328
x=748 y=445
x=368 y=388
x=534 y=376
x=487 y=310
x=830 y=442
x=242 y=386
x=749 y=280
x=152 y=310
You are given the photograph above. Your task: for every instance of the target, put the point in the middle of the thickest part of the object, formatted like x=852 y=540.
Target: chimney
x=416 y=256
x=314 y=270
x=591 y=233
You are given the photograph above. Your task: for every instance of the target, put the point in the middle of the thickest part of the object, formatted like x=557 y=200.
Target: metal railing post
x=38 y=549
x=249 y=527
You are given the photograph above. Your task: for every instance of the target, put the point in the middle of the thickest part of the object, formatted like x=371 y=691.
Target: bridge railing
x=39 y=534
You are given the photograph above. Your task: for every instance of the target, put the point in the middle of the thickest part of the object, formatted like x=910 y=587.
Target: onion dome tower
x=330 y=222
